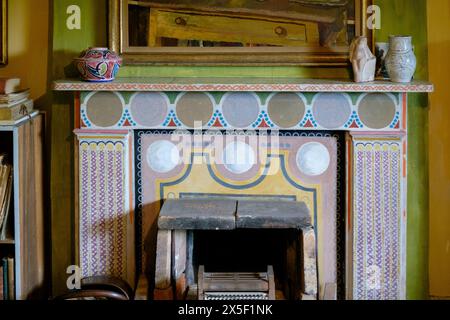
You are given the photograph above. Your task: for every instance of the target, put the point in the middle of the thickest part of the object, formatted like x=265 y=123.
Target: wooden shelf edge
x=242 y=85
x=8 y=242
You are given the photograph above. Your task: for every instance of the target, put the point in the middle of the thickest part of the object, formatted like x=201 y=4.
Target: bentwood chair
x=100 y=288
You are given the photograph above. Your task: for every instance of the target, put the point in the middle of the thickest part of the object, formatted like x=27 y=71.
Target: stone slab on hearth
x=272 y=215
x=190 y=214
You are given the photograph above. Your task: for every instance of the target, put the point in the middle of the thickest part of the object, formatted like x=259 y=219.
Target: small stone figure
x=363 y=61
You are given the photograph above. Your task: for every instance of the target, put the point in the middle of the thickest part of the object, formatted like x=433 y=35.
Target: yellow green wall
x=28 y=44
x=410 y=17
x=439 y=71
x=398 y=17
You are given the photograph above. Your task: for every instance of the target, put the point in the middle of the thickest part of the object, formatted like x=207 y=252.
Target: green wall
x=67 y=44
x=410 y=17
x=398 y=16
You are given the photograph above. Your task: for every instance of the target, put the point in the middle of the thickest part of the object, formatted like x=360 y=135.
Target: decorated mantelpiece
x=341 y=147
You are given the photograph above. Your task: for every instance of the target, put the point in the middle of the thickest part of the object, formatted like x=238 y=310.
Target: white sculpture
x=363 y=61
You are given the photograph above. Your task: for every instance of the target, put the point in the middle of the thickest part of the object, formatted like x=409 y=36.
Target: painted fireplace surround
x=370 y=118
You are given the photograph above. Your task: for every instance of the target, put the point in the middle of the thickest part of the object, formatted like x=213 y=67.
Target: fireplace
x=338 y=147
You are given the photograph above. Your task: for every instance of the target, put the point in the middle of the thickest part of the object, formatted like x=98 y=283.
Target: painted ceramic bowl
x=98 y=64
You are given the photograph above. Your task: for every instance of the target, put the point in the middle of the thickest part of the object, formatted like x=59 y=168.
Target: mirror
x=276 y=32
x=4 y=32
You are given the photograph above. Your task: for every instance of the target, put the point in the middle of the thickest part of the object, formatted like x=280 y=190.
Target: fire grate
x=236 y=286
x=235 y=296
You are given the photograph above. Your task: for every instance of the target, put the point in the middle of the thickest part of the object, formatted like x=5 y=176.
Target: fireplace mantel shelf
x=241 y=84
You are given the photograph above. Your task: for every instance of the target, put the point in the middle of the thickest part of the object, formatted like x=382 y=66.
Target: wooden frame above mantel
x=252 y=56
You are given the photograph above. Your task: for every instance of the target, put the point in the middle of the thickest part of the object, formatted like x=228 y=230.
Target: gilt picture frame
x=305 y=54
x=4 y=32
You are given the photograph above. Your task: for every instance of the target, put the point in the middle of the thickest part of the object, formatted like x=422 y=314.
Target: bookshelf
x=23 y=141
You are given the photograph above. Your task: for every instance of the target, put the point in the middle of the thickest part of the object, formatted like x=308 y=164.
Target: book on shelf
x=6 y=187
x=6 y=230
x=9 y=85
x=17 y=110
x=8 y=278
x=7 y=100
x=4 y=276
x=2 y=297
x=11 y=284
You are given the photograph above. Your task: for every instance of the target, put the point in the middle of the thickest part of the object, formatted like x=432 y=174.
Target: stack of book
x=6 y=228
x=15 y=103
x=7 y=286
x=6 y=186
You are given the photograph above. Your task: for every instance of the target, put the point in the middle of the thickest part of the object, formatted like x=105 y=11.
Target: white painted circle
x=238 y=157
x=313 y=159
x=163 y=156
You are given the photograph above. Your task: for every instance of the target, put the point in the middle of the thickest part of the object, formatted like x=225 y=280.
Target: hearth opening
x=249 y=251
x=236 y=250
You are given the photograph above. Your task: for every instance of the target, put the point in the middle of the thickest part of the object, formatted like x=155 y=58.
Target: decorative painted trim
x=378 y=242
x=259 y=85
x=308 y=121
x=264 y=121
x=106 y=210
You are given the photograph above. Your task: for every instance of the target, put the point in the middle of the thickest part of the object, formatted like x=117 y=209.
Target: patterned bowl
x=98 y=64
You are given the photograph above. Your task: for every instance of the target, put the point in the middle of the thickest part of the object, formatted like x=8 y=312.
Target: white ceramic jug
x=401 y=60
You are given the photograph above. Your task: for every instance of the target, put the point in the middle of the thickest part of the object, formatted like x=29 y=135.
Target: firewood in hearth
x=163 y=260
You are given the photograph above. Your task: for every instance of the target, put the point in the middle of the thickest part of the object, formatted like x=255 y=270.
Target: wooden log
x=163 y=260
x=180 y=288
x=309 y=262
x=188 y=214
x=201 y=273
x=271 y=278
x=179 y=240
x=272 y=215
x=190 y=273
x=330 y=292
